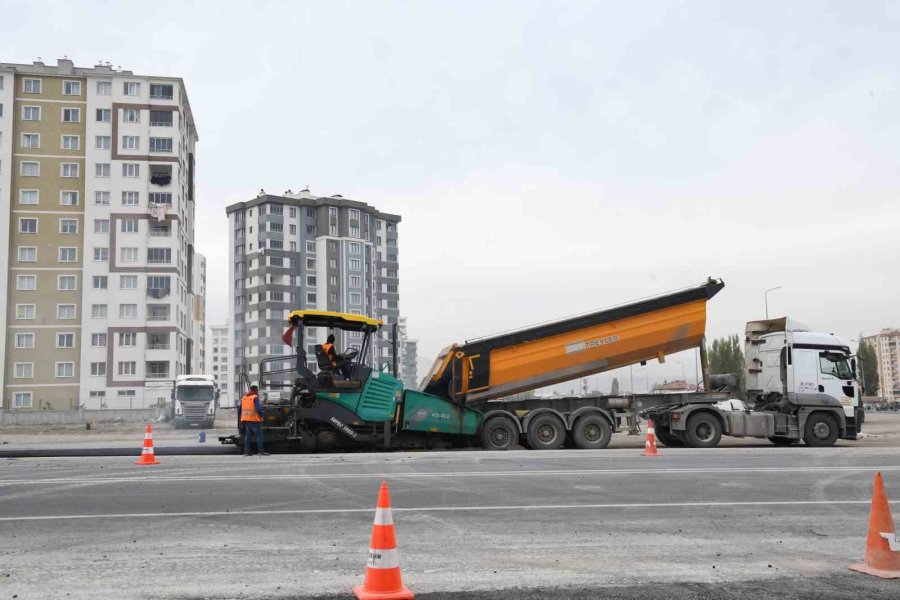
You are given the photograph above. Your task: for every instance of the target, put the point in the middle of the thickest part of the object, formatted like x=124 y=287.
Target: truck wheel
x=499 y=433
x=591 y=432
x=703 y=431
x=782 y=441
x=821 y=430
x=546 y=432
x=668 y=437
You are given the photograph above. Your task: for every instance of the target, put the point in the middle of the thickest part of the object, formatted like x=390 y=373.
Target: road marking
x=429 y=509
x=434 y=474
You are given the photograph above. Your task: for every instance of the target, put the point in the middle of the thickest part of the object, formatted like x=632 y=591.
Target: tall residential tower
x=300 y=251
x=97 y=200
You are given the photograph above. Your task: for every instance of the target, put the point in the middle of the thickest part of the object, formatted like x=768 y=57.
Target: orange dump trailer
x=498 y=366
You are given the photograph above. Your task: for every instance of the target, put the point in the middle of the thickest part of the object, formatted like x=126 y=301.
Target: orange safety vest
x=248 y=409
x=326 y=348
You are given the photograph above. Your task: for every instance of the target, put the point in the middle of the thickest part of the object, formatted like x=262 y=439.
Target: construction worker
x=340 y=363
x=251 y=418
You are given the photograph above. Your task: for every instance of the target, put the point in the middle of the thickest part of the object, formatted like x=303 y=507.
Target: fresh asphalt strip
x=433 y=509
x=439 y=474
x=89 y=452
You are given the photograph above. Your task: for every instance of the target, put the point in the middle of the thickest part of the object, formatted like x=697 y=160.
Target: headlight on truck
x=177 y=407
x=212 y=408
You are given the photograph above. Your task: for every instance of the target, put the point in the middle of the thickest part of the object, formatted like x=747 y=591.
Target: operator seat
x=326 y=368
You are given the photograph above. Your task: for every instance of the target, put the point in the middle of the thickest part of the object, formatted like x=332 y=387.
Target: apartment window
x=332 y=280
x=355 y=264
x=130 y=198
x=101 y=225
x=159 y=255
x=24 y=370
x=31 y=140
x=355 y=281
x=71 y=115
x=129 y=225
x=354 y=231
x=333 y=297
x=159 y=285
x=98 y=340
x=31 y=113
x=276 y=227
x=310 y=247
x=131 y=115
x=68 y=198
x=131 y=88
x=130 y=142
x=30 y=168
x=391 y=227
x=104 y=88
x=293 y=245
x=161 y=230
x=100 y=282
x=127 y=367
x=69 y=169
x=101 y=254
x=128 y=282
x=66 y=282
x=161 y=118
x=128 y=254
x=26 y=283
x=27 y=254
x=96 y=394
x=68 y=226
x=24 y=311
x=292 y=229
x=65 y=340
x=160 y=144
x=28 y=225
x=332 y=263
x=103 y=142
x=101 y=198
x=21 y=399
x=104 y=115
x=131 y=170
x=31 y=86
x=71 y=88
x=157 y=312
x=24 y=341
x=128 y=311
x=392 y=273
x=310 y=298
x=98 y=311
x=160 y=198
x=355 y=248
x=65 y=311
x=310 y=230
x=355 y=298
x=65 y=369
x=71 y=142
x=392 y=304
x=98 y=369
x=68 y=255
x=127 y=340
x=161 y=91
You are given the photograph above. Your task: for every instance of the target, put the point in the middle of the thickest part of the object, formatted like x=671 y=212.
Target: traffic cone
x=147 y=456
x=883 y=545
x=383 y=580
x=650 y=444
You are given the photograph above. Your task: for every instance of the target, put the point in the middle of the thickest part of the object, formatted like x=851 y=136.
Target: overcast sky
x=546 y=158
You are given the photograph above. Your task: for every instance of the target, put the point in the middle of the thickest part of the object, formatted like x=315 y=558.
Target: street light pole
x=766 y=295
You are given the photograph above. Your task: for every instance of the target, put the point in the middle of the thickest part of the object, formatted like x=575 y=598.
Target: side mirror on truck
x=853 y=367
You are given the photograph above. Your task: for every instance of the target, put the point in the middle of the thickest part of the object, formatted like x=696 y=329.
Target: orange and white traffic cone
x=650 y=444
x=147 y=456
x=383 y=580
x=883 y=545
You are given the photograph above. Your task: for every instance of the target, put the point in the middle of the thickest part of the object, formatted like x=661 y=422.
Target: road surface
x=728 y=522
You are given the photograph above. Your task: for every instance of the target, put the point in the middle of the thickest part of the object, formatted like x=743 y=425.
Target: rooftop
x=305 y=198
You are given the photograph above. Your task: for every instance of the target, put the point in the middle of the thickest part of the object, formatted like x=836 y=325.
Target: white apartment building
x=97 y=197
x=220 y=365
x=887 y=348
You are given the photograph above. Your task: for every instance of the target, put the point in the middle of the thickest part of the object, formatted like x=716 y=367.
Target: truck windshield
x=835 y=365
x=196 y=393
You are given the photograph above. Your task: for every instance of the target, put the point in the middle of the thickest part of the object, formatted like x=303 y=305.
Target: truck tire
x=821 y=430
x=782 y=441
x=668 y=437
x=591 y=432
x=499 y=433
x=546 y=432
x=703 y=431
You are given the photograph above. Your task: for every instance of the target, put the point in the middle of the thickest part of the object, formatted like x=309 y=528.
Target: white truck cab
x=194 y=400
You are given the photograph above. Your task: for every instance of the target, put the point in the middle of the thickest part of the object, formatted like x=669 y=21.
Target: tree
x=614 y=391
x=868 y=368
x=726 y=356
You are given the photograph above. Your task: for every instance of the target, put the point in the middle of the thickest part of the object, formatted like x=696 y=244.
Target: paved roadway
x=727 y=522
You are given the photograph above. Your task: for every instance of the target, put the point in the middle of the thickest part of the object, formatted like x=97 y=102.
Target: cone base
x=883 y=573
x=146 y=462
x=402 y=594
x=651 y=453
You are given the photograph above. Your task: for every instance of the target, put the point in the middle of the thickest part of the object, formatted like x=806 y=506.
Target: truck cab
x=194 y=399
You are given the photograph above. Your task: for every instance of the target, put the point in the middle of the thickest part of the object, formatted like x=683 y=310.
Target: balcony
x=158 y=293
